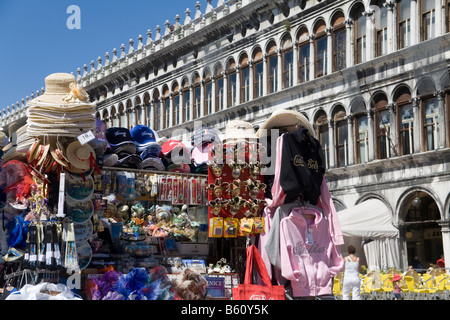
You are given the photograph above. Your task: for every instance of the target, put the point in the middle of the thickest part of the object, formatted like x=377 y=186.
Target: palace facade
x=371 y=76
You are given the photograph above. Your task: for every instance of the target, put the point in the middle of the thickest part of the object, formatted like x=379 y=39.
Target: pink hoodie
x=309 y=258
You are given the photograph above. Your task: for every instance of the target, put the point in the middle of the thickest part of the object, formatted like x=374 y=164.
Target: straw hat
x=237 y=130
x=63 y=109
x=285 y=118
x=80 y=156
x=62 y=89
x=58 y=152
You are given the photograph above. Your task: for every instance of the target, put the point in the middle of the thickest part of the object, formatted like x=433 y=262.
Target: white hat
x=237 y=130
x=285 y=118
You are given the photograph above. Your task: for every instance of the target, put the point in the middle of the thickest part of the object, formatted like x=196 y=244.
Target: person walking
x=351 y=270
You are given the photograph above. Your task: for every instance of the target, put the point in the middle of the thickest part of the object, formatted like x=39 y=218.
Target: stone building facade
x=371 y=76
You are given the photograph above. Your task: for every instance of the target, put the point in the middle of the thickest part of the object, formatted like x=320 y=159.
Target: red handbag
x=249 y=291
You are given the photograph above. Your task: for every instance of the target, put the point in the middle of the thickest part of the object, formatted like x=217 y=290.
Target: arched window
x=158 y=111
x=131 y=115
x=114 y=118
x=287 y=56
x=244 y=70
x=177 y=116
x=186 y=101
x=429 y=113
x=105 y=119
x=360 y=34
x=321 y=127
x=220 y=88
x=320 y=47
x=428 y=14
x=272 y=68
x=197 y=92
x=361 y=131
x=166 y=107
x=404 y=23
x=231 y=81
x=139 y=111
x=208 y=94
x=340 y=136
x=303 y=55
x=148 y=111
x=339 y=41
x=258 y=71
x=122 y=116
x=381 y=28
x=382 y=121
x=405 y=118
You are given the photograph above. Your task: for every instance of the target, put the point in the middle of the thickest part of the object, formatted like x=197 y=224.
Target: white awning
x=368 y=219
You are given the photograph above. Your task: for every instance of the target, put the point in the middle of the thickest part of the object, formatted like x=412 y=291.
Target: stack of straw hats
x=63 y=110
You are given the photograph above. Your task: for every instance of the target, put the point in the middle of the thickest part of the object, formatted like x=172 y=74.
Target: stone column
x=329 y=51
x=350 y=140
x=441 y=119
x=417 y=128
x=392 y=138
x=445 y=228
x=370 y=136
x=279 y=71
x=415 y=24
x=349 y=43
x=370 y=34
x=202 y=98
x=265 y=74
x=332 y=147
x=170 y=109
x=391 y=27
x=225 y=90
x=191 y=102
x=296 y=64
x=238 y=85
x=312 y=58
x=213 y=94
x=251 y=77
x=439 y=21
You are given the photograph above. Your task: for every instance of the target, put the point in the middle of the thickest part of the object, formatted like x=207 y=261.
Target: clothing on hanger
x=309 y=258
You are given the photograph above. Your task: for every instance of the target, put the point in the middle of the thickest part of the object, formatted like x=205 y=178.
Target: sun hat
x=3 y=139
x=285 y=118
x=396 y=277
x=238 y=130
x=80 y=156
x=204 y=135
x=63 y=109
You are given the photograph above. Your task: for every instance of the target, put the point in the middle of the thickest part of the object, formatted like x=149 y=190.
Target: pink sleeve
x=328 y=208
x=338 y=260
x=278 y=195
x=290 y=267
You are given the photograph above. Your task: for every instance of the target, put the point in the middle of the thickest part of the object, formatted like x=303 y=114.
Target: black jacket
x=302 y=167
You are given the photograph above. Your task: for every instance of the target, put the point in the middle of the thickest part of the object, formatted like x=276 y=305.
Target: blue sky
x=35 y=40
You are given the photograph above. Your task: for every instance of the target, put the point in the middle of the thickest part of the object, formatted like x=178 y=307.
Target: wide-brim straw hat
x=238 y=130
x=291 y=120
x=61 y=89
x=80 y=156
x=63 y=109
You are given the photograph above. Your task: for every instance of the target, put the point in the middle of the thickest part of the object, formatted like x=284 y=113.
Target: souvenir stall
x=91 y=213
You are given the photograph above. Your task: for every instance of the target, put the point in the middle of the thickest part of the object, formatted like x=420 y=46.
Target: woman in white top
x=351 y=276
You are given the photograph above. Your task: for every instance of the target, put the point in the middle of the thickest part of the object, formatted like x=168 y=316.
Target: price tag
x=86 y=137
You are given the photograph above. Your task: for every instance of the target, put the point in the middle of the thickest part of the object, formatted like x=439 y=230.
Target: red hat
x=168 y=146
x=396 y=277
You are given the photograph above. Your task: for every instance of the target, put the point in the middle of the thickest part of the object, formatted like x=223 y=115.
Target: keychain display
x=235 y=189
